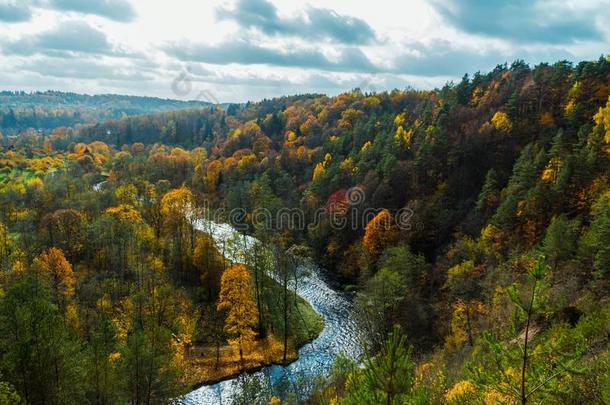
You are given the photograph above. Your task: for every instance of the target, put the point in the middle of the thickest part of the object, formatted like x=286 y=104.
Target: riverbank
x=205 y=366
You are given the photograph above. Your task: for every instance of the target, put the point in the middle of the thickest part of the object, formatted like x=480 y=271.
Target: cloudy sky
x=239 y=50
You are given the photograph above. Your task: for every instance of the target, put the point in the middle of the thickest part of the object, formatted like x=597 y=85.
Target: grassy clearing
x=204 y=367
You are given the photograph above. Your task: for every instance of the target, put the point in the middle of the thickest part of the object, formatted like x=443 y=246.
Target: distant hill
x=50 y=109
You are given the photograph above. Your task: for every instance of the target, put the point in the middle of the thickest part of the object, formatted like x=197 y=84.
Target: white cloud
x=277 y=47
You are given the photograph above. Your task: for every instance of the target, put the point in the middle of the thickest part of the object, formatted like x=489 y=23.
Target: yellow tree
x=501 y=122
x=56 y=269
x=236 y=298
x=177 y=211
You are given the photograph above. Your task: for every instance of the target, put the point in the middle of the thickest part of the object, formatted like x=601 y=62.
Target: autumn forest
x=464 y=230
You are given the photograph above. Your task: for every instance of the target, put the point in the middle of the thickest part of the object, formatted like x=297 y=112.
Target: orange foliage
x=380 y=232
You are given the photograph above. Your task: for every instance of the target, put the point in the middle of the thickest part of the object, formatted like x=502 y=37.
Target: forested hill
x=471 y=222
x=429 y=150
x=51 y=109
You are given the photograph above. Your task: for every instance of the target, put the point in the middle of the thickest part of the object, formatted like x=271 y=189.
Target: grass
x=203 y=369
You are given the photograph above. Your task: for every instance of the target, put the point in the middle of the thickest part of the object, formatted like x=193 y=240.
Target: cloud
x=550 y=21
x=439 y=58
x=318 y=23
x=14 y=12
x=442 y=58
x=117 y=10
x=247 y=53
x=69 y=37
x=81 y=69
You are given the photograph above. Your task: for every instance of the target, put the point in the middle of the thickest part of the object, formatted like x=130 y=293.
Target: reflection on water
x=340 y=334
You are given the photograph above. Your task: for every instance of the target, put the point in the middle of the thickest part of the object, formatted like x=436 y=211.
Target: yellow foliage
x=318 y=171
x=569 y=108
x=125 y=213
x=213 y=173
x=366 y=146
x=549 y=174
x=501 y=122
x=236 y=298
x=546 y=118
x=495 y=397
x=245 y=162
x=54 y=266
x=461 y=270
x=403 y=137
x=463 y=322
x=18 y=266
x=603 y=118
x=371 y=101
x=348 y=166
x=461 y=391
x=114 y=357
x=34 y=182
x=400 y=119
x=178 y=201
x=291 y=136
x=489 y=233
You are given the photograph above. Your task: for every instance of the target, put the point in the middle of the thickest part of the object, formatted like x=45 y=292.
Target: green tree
x=594 y=246
x=386 y=378
x=40 y=356
x=560 y=240
x=378 y=303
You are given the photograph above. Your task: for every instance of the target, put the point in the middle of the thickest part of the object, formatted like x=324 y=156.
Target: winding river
x=339 y=336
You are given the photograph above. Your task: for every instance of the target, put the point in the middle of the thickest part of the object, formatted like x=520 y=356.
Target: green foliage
x=386 y=378
x=40 y=357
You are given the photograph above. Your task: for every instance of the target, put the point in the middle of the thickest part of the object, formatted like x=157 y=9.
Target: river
x=339 y=336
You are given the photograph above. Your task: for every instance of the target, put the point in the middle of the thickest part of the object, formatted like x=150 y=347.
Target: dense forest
x=51 y=109
x=477 y=248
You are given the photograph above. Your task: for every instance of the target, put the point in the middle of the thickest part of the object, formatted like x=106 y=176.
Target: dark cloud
x=117 y=10
x=551 y=22
x=72 y=36
x=14 y=11
x=246 y=53
x=318 y=23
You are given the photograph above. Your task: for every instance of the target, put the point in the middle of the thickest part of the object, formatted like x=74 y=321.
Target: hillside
x=50 y=109
x=472 y=222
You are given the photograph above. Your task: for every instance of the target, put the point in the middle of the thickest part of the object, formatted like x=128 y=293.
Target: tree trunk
x=525 y=354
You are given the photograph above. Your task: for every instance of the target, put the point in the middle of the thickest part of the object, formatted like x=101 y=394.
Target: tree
x=377 y=305
x=386 y=378
x=463 y=283
x=526 y=364
x=57 y=271
x=177 y=209
x=380 y=232
x=490 y=194
x=559 y=243
x=65 y=229
x=594 y=245
x=40 y=356
x=236 y=298
x=501 y=122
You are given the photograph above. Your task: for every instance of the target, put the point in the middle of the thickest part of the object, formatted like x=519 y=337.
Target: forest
x=493 y=289
x=51 y=109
